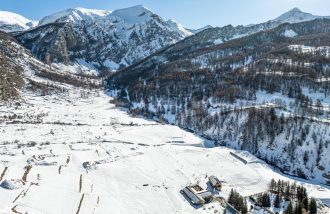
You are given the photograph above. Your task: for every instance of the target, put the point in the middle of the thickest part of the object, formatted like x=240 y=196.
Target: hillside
x=10 y=71
x=20 y=71
x=267 y=93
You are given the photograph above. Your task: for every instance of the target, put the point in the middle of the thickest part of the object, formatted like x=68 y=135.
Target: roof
x=214 y=180
x=205 y=194
x=193 y=198
x=231 y=209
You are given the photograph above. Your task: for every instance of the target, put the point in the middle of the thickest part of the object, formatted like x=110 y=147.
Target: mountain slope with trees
x=267 y=93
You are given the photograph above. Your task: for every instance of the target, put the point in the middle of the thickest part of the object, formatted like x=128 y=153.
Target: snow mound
x=14 y=22
x=12 y=184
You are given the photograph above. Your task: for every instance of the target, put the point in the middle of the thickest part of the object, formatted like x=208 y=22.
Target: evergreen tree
x=244 y=209
x=289 y=209
x=265 y=200
x=287 y=191
x=305 y=203
x=259 y=199
x=237 y=201
x=298 y=209
x=272 y=185
x=231 y=196
x=312 y=206
x=277 y=201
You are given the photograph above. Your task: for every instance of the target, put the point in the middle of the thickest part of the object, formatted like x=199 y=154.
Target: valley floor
x=89 y=157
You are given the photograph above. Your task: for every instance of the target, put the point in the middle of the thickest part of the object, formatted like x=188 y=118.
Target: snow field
x=133 y=166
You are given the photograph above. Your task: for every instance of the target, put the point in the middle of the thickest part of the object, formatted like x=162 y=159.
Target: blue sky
x=190 y=13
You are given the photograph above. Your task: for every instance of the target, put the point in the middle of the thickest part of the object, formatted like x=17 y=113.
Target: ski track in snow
x=137 y=170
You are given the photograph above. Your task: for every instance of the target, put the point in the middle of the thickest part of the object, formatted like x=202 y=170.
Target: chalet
x=196 y=195
x=215 y=182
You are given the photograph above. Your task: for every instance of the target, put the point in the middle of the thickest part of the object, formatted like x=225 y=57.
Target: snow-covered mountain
x=10 y=22
x=74 y=15
x=111 y=40
x=296 y=15
x=220 y=35
x=103 y=39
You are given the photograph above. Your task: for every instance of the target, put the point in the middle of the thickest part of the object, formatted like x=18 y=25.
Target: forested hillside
x=267 y=93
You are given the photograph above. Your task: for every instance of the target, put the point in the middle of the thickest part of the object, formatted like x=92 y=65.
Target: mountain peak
x=139 y=6
x=296 y=9
x=134 y=10
x=133 y=15
x=295 y=15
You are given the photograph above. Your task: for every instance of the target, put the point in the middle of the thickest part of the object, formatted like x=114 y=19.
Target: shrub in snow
x=89 y=165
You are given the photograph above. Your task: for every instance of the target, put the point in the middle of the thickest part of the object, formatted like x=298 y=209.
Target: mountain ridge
x=124 y=36
x=10 y=22
x=73 y=14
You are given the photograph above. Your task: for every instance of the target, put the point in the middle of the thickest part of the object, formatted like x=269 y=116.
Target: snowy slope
x=10 y=22
x=74 y=15
x=130 y=164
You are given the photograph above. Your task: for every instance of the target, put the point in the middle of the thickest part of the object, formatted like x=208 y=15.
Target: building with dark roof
x=215 y=182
